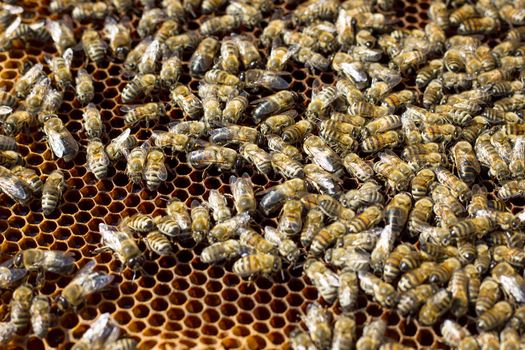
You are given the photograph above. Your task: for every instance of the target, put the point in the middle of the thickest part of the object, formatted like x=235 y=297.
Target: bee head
x=62 y=303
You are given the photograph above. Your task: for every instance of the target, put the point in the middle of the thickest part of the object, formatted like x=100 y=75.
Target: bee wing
x=152 y=51
x=513 y=287
x=96 y=282
x=37 y=25
x=54 y=29
x=355 y=71
x=7 y=329
x=9 y=185
x=99 y=331
x=12 y=27
x=5 y=110
x=273 y=81
x=111 y=236
x=57 y=142
x=68 y=56
x=119 y=140
x=13 y=10
x=58 y=261
x=271 y=234
x=33 y=72
x=84 y=272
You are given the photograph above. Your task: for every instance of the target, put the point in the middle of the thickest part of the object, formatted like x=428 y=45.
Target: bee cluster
x=420 y=234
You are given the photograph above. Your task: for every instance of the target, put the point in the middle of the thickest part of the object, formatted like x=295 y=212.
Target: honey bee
x=300 y=340
x=254 y=240
x=312 y=59
x=514 y=256
x=313 y=222
x=276 y=123
x=20 y=307
x=257 y=263
x=321 y=154
x=367 y=219
x=326 y=237
x=489 y=294
x=243 y=195
x=94 y=46
x=458 y=286
x=85 y=282
x=229 y=227
x=149 y=112
x=369 y=193
x=457 y=187
x=273 y=30
x=158 y=243
x=60 y=139
x=381 y=141
x=30 y=177
x=224 y=158
x=510 y=281
x=221 y=24
x=348 y=290
x=273 y=104
x=136 y=161
x=260 y=78
x=90 y=10
x=396 y=177
x=391 y=268
x=103 y=335
x=494 y=317
x=257 y=157
x=92 y=122
x=318 y=322
x=344 y=333
x=517 y=319
x=35 y=99
x=409 y=61
x=219 y=206
x=40 y=312
x=61 y=69
x=149 y=21
x=397 y=210
x=412 y=279
x=55 y=261
x=290 y=221
x=234 y=134
x=322 y=180
x=140 y=85
x=421 y=182
x=275 y=197
x=345 y=27
x=62 y=34
x=155 y=171
x=324 y=279
x=52 y=191
x=489 y=157
x=84 y=87
x=249 y=53
x=170 y=71
x=465 y=161
x=277 y=144
x=227 y=250
x=435 y=307
x=204 y=56
x=25 y=83
x=517 y=160
x=411 y=300
x=279 y=56
x=228 y=61
x=149 y=61
x=168 y=28
x=180 y=42
x=122 y=6
x=120 y=144
x=190 y=104
x=286 y=166
x=172 y=141
x=357 y=167
x=138 y=222
x=97 y=159
x=249 y=15
x=286 y=247
x=233 y=111
x=429 y=72
x=453 y=333
x=134 y=55
x=373 y=335
x=482 y=25
x=512 y=189
x=122 y=245
x=399 y=99
x=381 y=125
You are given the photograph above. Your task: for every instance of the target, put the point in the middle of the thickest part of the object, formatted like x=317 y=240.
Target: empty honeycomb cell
x=136 y=326
x=228 y=309
x=140 y=311
x=192 y=322
x=424 y=337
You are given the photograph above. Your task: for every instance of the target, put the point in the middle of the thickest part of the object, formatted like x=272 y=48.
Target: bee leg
x=101 y=250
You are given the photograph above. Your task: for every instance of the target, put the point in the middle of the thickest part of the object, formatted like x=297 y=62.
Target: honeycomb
x=179 y=302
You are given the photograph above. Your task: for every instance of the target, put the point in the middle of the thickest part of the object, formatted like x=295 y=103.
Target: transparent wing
x=271 y=234
x=110 y=237
x=98 y=332
x=12 y=27
x=14 y=10
x=162 y=173
x=68 y=56
x=54 y=29
x=119 y=140
x=151 y=52
x=513 y=287
x=84 y=272
x=12 y=186
x=5 y=110
x=34 y=72
x=95 y=282
x=56 y=142
x=57 y=261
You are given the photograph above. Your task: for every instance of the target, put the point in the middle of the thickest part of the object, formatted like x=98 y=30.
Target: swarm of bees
x=423 y=158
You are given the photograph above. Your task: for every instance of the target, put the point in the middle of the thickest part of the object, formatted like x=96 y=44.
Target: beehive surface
x=181 y=302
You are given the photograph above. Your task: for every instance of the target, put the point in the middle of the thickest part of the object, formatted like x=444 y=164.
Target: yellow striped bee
x=97 y=160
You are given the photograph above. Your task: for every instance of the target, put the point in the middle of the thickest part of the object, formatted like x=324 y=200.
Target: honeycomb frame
x=180 y=302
